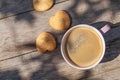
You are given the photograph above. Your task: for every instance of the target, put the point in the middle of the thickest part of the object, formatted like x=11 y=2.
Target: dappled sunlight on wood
x=116 y=17
x=82 y=7
x=105 y=16
x=68 y=71
x=104 y=4
x=20 y=25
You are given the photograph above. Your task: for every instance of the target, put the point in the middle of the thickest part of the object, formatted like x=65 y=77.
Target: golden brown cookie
x=42 y=5
x=60 y=21
x=45 y=42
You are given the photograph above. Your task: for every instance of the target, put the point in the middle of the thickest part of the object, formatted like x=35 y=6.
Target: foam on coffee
x=84 y=46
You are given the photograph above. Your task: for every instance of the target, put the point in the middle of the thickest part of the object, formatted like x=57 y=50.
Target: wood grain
x=35 y=66
x=18 y=33
x=111 y=75
x=14 y=7
x=18 y=55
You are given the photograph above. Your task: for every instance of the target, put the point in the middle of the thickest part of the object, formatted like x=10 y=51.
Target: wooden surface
x=20 y=25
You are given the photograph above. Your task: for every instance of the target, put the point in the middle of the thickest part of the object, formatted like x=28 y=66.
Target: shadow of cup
x=112 y=39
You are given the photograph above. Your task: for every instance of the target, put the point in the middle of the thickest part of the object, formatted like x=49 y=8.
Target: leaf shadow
x=95 y=9
x=10 y=75
x=48 y=69
x=16 y=8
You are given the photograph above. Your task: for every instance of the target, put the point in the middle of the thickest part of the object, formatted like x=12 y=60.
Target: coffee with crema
x=84 y=46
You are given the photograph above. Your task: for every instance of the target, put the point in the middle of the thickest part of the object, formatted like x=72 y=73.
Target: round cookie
x=60 y=21
x=42 y=5
x=45 y=42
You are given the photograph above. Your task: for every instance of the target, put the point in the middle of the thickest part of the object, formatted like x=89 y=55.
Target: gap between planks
x=19 y=55
x=26 y=11
x=26 y=30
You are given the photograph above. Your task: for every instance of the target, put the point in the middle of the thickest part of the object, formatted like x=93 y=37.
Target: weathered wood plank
x=12 y=7
x=18 y=34
x=110 y=75
x=35 y=66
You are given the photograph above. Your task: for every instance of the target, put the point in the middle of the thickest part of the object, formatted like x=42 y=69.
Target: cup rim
x=68 y=60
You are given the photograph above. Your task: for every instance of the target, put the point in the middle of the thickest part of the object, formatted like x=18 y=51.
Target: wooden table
x=20 y=24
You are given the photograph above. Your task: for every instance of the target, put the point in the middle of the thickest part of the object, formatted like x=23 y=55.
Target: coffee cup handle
x=105 y=29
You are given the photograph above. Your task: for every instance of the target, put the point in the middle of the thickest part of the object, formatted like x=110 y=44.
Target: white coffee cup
x=100 y=33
